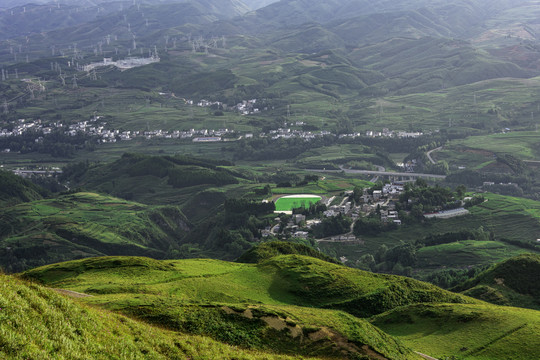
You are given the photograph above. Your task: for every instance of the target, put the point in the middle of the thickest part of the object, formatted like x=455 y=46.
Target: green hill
x=292 y=304
x=240 y=304
x=152 y=179
x=37 y=323
x=268 y=250
x=466 y=331
x=85 y=224
x=14 y=189
x=513 y=282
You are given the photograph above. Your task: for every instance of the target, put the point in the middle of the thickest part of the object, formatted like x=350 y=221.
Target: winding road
x=429 y=154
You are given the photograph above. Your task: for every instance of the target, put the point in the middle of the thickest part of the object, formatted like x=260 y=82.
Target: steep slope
x=281 y=280
x=276 y=306
x=238 y=304
x=513 y=282
x=467 y=332
x=268 y=250
x=152 y=179
x=36 y=323
x=85 y=224
x=14 y=189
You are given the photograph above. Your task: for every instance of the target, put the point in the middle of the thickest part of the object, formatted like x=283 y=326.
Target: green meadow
x=288 y=203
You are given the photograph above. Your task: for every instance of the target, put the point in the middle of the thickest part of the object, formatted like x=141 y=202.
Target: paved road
x=380 y=173
x=429 y=154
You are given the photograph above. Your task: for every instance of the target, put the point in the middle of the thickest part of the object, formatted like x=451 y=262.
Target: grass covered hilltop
x=284 y=305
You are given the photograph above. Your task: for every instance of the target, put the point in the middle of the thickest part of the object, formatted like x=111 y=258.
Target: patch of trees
x=447 y=279
x=184 y=177
x=399 y=259
x=56 y=144
x=14 y=189
x=249 y=206
x=74 y=171
x=450 y=237
x=372 y=226
x=428 y=198
x=268 y=149
x=331 y=226
x=313 y=209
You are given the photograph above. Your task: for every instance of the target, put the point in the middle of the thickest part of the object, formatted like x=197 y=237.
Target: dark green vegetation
x=268 y=250
x=14 y=189
x=513 y=282
x=80 y=225
x=152 y=179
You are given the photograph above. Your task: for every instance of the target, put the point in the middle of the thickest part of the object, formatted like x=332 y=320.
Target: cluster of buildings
x=246 y=107
x=21 y=126
x=291 y=134
x=105 y=135
x=384 y=133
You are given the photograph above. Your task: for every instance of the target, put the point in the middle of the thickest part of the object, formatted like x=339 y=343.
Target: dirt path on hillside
x=72 y=293
x=425 y=356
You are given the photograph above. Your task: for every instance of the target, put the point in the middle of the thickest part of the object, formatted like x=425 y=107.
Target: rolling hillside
x=14 y=189
x=237 y=303
x=86 y=224
x=244 y=305
x=465 y=331
x=38 y=323
x=156 y=179
x=513 y=282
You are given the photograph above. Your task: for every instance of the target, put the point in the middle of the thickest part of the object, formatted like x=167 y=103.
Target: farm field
x=476 y=152
x=287 y=203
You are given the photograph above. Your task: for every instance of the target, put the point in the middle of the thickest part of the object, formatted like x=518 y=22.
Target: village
x=96 y=127
x=298 y=225
x=376 y=204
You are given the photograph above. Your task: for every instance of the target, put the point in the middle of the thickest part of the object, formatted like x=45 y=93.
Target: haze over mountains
x=168 y=132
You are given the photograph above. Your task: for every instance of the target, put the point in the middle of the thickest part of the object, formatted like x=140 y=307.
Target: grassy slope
x=234 y=303
x=37 y=323
x=86 y=224
x=14 y=189
x=466 y=331
x=512 y=282
x=281 y=280
x=268 y=250
x=190 y=295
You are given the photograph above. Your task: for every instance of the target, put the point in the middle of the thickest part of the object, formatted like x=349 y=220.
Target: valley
x=269 y=179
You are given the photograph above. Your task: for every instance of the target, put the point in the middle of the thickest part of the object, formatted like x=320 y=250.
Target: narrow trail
x=72 y=293
x=425 y=356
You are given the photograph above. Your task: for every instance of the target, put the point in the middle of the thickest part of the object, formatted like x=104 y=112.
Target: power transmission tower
x=6 y=107
x=75 y=86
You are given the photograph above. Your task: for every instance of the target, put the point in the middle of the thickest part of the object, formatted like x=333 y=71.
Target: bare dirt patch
x=73 y=294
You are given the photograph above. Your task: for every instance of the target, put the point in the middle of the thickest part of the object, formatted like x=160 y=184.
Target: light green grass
x=482 y=332
x=39 y=324
x=287 y=204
